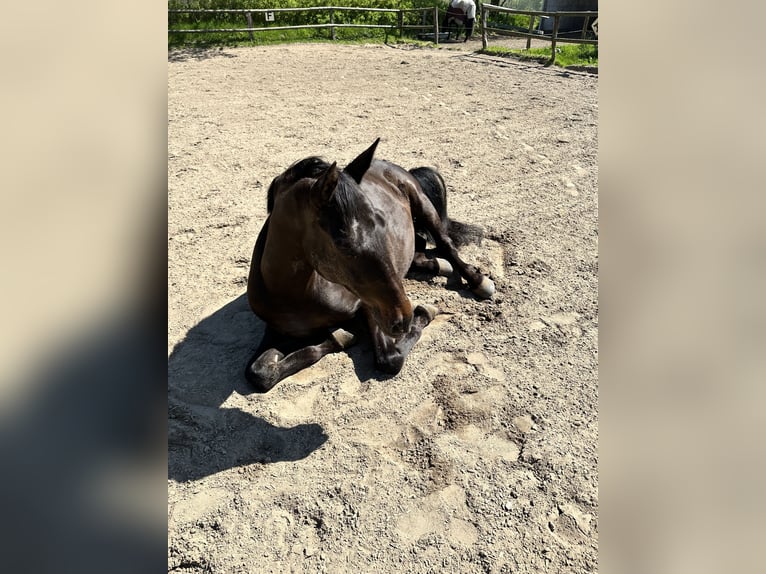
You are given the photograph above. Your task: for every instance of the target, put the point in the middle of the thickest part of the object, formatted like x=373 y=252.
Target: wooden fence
x=530 y=34
x=332 y=25
x=554 y=37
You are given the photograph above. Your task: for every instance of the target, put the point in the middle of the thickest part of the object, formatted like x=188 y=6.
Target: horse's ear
x=325 y=185
x=361 y=164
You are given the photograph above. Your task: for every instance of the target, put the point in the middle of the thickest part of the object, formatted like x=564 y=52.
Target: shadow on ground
x=205 y=437
x=203 y=371
x=197 y=53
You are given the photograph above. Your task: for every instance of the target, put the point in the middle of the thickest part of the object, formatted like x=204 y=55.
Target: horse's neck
x=284 y=250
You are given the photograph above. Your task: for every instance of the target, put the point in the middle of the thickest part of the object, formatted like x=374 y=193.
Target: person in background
x=468 y=7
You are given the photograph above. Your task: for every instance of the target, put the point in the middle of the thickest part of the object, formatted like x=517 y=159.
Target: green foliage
x=518 y=22
x=566 y=54
x=204 y=21
x=520 y=4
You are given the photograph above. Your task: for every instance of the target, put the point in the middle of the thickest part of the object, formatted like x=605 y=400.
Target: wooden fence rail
x=248 y=12
x=554 y=37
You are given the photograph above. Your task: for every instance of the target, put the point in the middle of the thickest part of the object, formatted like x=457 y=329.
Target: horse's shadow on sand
x=203 y=371
x=205 y=368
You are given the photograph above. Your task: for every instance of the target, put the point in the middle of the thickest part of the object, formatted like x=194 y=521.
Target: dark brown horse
x=333 y=252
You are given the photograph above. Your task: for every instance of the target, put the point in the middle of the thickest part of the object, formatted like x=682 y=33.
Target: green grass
x=232 y=39
x=208 y=39
x=566 y=54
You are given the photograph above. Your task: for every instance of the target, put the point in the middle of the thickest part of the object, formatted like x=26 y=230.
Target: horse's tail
x=464 y=233
x=432 y=184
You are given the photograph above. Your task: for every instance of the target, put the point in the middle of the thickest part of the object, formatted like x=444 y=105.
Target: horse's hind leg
x=427 y=217
x=269 y=365
x=433 y=187
x=435 y=265
x=390 y=354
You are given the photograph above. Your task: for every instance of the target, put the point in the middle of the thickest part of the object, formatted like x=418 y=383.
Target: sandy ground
x=481 y=455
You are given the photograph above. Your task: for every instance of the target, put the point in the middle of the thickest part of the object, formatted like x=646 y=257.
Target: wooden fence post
x=332 y=21
x=249 y=17
x=531 y=25
x=553 y=39
x=585 y=27
x=483 y=27
x=436 y=24
x=400 y=22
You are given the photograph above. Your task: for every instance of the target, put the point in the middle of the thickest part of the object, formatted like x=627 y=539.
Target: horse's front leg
x=391 y=353
x=269 y=365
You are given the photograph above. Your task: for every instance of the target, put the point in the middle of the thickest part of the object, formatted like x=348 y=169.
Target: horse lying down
x=332 y=255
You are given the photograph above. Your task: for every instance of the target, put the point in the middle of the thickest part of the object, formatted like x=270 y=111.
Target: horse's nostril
x=400 y=326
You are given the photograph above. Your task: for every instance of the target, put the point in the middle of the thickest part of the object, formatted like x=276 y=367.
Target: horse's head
x=354 y=246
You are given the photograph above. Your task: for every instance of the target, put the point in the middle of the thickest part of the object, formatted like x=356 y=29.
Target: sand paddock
x=481 y=455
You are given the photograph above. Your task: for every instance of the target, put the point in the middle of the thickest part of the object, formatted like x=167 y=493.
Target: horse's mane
x=344 y=205
x=310 y=167
x=345 y=200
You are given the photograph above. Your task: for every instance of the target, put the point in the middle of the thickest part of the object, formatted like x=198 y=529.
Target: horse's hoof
x=444 y=267
x=262 y=379
x=263 y=372
x=430 y=310
x=485 y=289
x=343 y=338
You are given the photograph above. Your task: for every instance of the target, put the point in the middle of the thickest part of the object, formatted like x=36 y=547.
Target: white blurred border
x=682 y=279
x=83 y=164
x=82 y=218
x=681 y=234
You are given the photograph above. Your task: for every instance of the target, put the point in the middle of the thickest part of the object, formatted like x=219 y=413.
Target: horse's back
x=389 y=187
x=395 y=182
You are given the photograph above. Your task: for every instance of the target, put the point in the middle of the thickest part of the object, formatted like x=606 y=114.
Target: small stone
x=523 y=423
x=507 y=505
x=561 y=319
x=476 y=359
